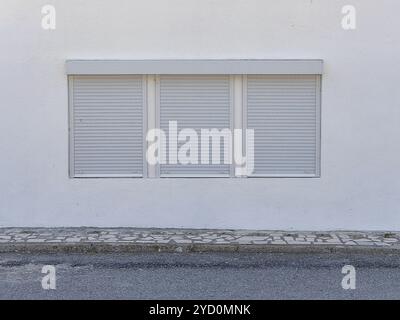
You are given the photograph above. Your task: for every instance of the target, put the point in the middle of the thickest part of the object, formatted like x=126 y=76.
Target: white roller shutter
x=106 y=123
x=284 y=111
x=195 y=102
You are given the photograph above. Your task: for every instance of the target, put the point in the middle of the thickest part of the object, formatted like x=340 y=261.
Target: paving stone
x=382 y=244
x=240 y=241
x=183 y=241
x=129 y=238
x=73 y=240
x=298 y=242
x=163 y=241
x=365 y=243
x=35 y=240
x=334 y=241
x=350 y=243
x=261 y=242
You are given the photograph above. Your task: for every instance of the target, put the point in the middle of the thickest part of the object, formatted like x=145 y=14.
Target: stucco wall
x=359 y=186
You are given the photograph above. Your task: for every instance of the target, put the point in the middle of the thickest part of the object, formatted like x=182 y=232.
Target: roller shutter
x=284 y=111
x=106 y=123
x=197 y=102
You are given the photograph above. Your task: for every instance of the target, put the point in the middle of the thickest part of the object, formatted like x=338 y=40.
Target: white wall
x=360 y=183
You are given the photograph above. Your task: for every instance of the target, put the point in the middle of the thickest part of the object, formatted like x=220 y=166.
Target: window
x=112 y=104
x=284 y=112
x=106 y=124
x=196 y=102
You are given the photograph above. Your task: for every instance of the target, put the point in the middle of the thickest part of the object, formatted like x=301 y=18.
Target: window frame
x=151 y=70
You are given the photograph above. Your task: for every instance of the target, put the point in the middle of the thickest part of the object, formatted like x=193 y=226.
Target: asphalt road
x=199 y=276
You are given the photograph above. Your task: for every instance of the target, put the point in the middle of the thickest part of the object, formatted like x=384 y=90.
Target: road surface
x=199 y=276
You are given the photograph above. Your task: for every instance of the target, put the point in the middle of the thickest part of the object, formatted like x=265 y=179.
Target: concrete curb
x=92 y=248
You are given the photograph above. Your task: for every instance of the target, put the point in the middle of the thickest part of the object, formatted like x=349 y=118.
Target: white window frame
x=150 y=70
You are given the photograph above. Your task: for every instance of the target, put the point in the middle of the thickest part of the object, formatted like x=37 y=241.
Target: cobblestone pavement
x=190 y=236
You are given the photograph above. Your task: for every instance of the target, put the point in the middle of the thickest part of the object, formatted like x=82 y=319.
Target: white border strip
x=95 y=67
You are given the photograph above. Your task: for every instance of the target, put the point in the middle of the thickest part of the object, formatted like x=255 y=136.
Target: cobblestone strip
x=189 y=236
